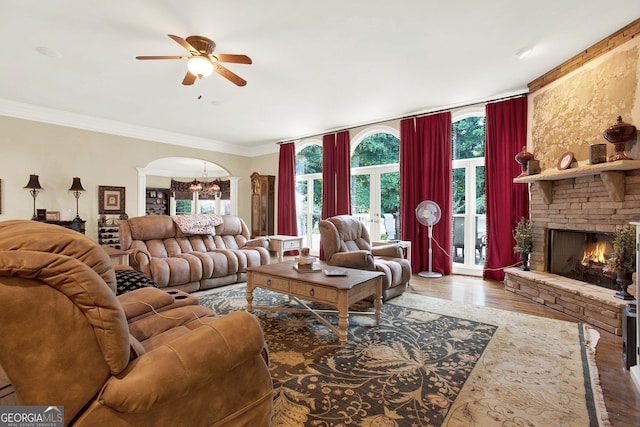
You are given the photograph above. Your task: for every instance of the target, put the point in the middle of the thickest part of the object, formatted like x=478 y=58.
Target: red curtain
x=336 y=176
x=410 y=167
x=435 y=178
x=506 y=134
x=426 y=174
x=287 y=216
x=342 y=164
x=328 y=176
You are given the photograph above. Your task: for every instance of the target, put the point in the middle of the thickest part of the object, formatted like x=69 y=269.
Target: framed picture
x=111 y=200
x=564 y=162
x=52 y=216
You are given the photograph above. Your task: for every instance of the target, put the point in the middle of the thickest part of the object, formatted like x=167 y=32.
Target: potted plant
x=523 y=235
x=622 y=259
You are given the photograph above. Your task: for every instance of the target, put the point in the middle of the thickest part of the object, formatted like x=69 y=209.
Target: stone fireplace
x=572 y=208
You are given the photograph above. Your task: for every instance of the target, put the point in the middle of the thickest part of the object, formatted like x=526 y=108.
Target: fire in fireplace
x=581 y=255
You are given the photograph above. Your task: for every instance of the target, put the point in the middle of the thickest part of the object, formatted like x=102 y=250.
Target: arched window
x=375 y=181
x=469 y=219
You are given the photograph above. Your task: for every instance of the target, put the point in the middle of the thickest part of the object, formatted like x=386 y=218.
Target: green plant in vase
x=523 y=235
x=622 y=259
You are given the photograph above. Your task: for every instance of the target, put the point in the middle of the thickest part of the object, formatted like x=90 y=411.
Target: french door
x=374 y=191
x=469 y=219
x=309 y=209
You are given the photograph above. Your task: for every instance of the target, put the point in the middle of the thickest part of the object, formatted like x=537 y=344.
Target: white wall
x=58 y=153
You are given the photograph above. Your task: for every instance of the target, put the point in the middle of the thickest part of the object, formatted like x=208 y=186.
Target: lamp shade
x=199 y=66
x=34 y=183
x=76 y=185
x=195 y=186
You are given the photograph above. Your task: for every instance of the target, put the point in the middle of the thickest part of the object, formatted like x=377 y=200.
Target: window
x=375 y=183
x=309 y=194
x=469 y=219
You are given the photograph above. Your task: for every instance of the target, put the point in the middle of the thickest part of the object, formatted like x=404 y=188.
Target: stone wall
x=581 y=203
x=568 y=111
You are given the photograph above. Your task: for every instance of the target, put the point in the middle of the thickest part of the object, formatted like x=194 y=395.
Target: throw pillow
x=130 y=280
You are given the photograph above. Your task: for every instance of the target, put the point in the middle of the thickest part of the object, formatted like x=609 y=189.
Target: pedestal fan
x=428 y=213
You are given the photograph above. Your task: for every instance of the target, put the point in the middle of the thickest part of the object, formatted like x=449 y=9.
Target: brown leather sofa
x=192 y=262
x=346 y=243
x=147 y=358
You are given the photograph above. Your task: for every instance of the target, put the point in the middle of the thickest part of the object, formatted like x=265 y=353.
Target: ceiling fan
x=203 y=61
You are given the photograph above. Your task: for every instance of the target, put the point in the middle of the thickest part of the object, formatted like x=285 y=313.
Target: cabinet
x=262 y=204
x=157 y=201
x=75 y=225
x=109 y=235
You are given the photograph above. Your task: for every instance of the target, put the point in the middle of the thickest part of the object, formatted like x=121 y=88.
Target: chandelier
x=208 y=188
x=195 y=186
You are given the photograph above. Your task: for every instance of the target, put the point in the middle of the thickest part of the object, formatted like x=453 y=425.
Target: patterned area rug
x=430 y=362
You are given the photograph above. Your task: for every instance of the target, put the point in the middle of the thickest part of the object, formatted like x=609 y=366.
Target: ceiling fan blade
x=182 y=42
x=189 y=79
x=236 y=59
x=162 y=57
x=229 y=75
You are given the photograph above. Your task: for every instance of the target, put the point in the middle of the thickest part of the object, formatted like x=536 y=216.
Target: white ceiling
x=317 y=65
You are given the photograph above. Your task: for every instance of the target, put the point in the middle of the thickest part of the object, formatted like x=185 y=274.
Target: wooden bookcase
x=157 y=201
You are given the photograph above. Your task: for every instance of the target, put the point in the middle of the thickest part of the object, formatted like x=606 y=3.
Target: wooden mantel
x=612 y=174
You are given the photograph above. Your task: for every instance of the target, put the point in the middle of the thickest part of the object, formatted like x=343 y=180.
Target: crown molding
x=80 y=121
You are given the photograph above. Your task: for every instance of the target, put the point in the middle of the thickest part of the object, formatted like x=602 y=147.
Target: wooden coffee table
x=340 y=292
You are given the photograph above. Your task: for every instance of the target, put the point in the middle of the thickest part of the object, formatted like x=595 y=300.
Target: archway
x=183 y=168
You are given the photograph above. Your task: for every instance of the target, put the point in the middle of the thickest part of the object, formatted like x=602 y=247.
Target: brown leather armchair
x=140 y=360
x=346 y=243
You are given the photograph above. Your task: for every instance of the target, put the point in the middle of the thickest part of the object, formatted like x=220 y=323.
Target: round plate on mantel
x=565 y=160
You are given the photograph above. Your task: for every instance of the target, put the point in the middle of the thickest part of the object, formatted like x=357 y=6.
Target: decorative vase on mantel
x=524 y=258
x=619 y=134
x=523 y=158
x=624 y=279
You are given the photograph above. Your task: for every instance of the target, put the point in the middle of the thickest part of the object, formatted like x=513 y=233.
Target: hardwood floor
x=620 y=395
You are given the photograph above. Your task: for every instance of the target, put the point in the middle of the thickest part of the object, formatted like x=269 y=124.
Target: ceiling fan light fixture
x=199 y=66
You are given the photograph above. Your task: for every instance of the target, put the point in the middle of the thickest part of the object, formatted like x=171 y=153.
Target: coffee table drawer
x=270 y=282
x=318 y=293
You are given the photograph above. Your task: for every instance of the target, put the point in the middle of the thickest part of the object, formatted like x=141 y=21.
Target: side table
x=281 y=243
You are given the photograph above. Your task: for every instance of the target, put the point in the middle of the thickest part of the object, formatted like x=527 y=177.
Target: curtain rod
x=423 y=113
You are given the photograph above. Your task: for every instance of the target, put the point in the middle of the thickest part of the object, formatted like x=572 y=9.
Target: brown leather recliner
x=346 y=243
x=67 y=341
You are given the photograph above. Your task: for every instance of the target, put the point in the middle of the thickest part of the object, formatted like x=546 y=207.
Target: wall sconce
x=34 y=188
x=76 y=187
